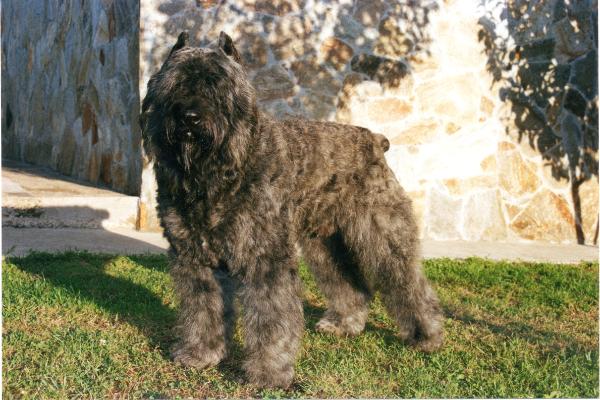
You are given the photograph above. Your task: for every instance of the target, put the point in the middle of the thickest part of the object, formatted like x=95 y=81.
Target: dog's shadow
x=86 y=278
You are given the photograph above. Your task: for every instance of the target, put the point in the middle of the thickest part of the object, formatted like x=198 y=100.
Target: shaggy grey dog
x=238 y=190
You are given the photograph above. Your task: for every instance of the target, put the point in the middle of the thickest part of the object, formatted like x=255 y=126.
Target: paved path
x=36 y=197
x=20 y=241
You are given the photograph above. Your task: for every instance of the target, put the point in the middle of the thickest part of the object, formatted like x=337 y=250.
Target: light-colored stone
x=388 y=110
x=348 y=28
x=289 y=37
x=588 y=193
x=275 y=7
x=512 y=210
x=516 y=175
x=369 y=12
x=318 y=105
x=442 y=215
x=547 y=217
x=459 y=187
x=277 y=108
x=486 y=105
x=311 y=74
x=445 y=97
x=483 y=218
x=422 y=132
x=392 y=41
x=273 y=83
x=251 y=45
x=452 y=128
x=489 y=164
x=336 y=52
x=418 y=205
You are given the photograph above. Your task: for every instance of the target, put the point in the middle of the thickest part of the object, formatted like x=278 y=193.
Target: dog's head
x=198 y=99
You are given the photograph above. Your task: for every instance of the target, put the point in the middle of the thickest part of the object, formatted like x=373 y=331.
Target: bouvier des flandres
x=238 y=190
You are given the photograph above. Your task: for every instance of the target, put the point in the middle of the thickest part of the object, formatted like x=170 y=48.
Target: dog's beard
x=187 y=156
x=191 y=152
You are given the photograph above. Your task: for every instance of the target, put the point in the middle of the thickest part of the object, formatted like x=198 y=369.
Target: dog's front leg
x=206 y=315
x=273 y=320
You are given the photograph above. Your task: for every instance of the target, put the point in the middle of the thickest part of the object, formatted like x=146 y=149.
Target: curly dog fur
x=237 y=191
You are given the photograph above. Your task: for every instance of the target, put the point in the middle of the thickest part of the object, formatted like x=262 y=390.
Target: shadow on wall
x=302 y=60
x=544 y=56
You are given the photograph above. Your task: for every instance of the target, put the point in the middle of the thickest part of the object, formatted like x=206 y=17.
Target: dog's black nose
x=192 y=117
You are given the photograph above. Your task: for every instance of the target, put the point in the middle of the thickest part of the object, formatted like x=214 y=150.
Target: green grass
x=86 y=325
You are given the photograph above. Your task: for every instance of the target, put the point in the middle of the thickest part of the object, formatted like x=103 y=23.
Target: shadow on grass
x=87 y=279
x=312 y=315
x=551 y=340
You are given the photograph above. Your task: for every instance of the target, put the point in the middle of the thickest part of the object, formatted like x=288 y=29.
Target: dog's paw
x=425 y=342
x=430 y=344
x=269 y=379
x=348 y=326
x=196 y=358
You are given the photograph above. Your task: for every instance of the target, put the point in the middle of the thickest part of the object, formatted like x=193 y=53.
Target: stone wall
x=544 y=59
x=70 y=97
x=422 y=73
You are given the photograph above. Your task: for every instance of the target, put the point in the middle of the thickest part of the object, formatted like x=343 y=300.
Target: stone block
x=348 y=28
x=584 y=74
x=171 y=7
x=486 y=106
x=275 y=7
x=547 y=217
x=418 y=205
x=277 y=108
x=588 y=193
x=106 y=169
x=273 y=83
x=574 y=38
x=336 y=52
x=538 y=50
x=311 y=74
x=423 y=131
x=442 y=216
x=318 y=105
x=489 y=164
x=67 y=149
x=445 y=97
x=452 y=127
x=516 y=175
x=483 y=218
x=387 y=110
x=387 y=72
x=289 y=37
x=253 y=48
x=464 y=186
x=392 y=41
x=207 y=3
x=369 y=12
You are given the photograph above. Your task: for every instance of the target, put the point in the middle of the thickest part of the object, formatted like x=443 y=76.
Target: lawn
x=96 y=326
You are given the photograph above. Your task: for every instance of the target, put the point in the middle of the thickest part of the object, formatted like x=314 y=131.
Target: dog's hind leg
x=340 y=281
x=384 y=239
x=206 y=316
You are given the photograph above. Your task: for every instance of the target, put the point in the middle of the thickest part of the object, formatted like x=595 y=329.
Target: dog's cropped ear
x=182 y=41
x=226 y=44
